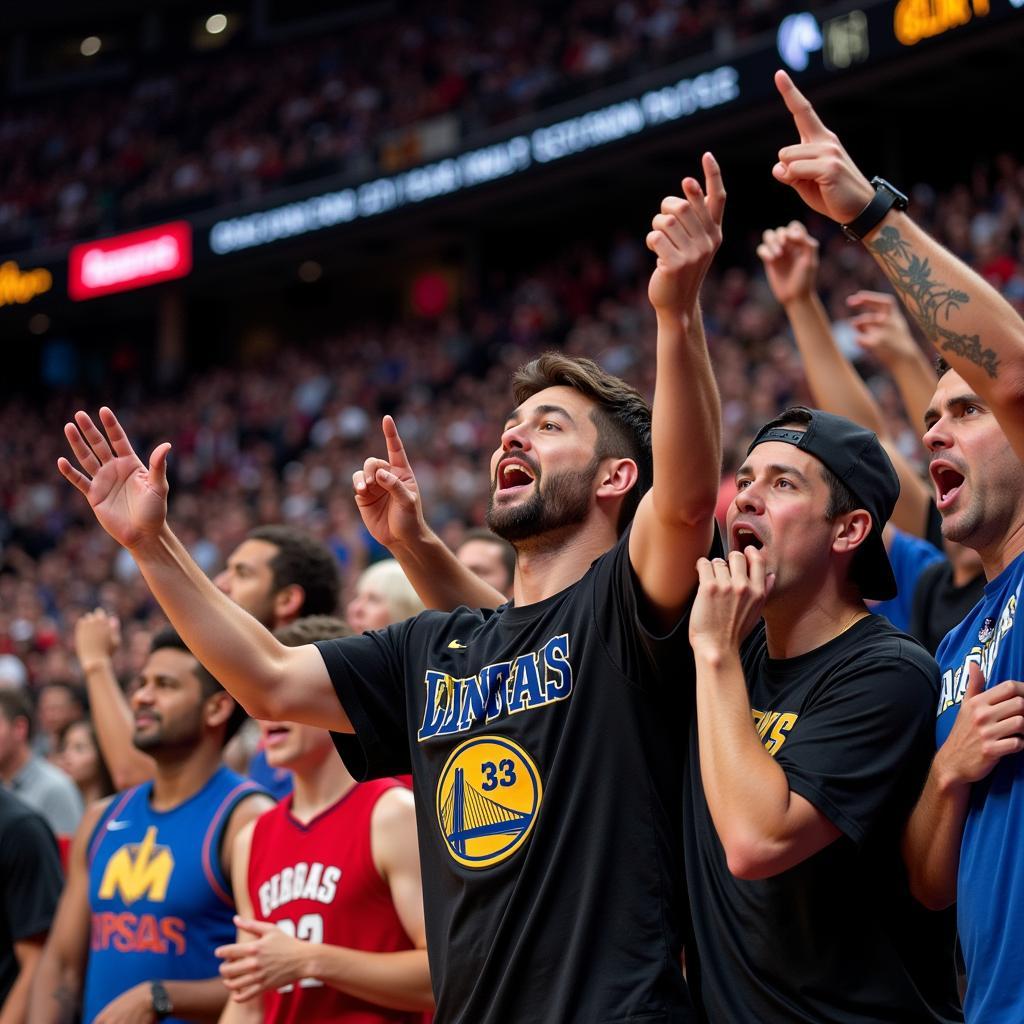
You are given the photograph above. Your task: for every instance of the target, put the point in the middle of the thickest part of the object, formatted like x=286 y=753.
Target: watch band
x=886 y=197
x=162 y=1005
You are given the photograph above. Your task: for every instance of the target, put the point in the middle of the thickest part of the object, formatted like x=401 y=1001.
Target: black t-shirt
x=546 y=746
x=30 y=881
x=939 y=604
x=837 y=937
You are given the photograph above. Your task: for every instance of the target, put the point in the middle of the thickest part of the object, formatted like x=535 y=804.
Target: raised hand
x=819 y=168
x=685 y=236
x=129 y=499
x=97 y=637
x=988 y=727
x=882 y=330
x=790 y=258
x=387 y=495
x=730 y=598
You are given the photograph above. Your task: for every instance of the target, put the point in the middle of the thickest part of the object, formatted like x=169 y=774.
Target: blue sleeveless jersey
x=990 y=886
x=159 y=900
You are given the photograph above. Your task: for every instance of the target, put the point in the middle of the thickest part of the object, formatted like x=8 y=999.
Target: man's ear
x=616 y=477
x=851 y=530
x=219 y=707
x=288 y=602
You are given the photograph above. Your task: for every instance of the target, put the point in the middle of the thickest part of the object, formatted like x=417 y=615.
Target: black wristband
x=886 y=197
x=162 y=1005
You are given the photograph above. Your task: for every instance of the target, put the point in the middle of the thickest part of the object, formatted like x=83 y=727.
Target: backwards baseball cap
x=855 y=456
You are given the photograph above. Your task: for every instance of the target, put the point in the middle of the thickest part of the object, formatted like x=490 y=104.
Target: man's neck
x=319 y=787
x=794 y=627
x=997 y=556
x=547 y=566
x=178 y=779
x=10 y=771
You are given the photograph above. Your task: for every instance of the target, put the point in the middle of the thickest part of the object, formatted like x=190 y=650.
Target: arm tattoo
x=929 y=302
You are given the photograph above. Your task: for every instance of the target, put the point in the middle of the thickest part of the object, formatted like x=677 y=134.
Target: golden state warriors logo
x=488 y=797
x=139 y=870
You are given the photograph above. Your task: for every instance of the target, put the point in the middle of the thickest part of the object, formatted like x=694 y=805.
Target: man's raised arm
x=130 y=503
x=675 y=521
x=790 y=258
x=970 y=324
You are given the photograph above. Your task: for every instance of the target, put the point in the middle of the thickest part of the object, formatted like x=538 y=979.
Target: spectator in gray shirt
x=37 y=782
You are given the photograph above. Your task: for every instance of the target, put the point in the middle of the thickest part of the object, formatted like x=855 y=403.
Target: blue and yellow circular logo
x=488 y=797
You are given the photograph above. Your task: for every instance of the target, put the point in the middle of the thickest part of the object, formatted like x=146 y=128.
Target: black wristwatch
x=886 y=198
x=162 y=1005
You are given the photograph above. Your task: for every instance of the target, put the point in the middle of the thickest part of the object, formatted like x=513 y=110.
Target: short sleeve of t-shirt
x=30 y=876
x=642 y=651
x=863 y=738
x=367 y=675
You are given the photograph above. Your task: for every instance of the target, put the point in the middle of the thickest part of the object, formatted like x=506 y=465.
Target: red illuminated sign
x=130 y=261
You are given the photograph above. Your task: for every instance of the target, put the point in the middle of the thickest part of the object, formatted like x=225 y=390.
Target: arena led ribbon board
x=126 y=262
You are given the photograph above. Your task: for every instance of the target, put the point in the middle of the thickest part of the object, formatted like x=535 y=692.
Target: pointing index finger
x=714 y=187
x=807 y=122
x=396 y=450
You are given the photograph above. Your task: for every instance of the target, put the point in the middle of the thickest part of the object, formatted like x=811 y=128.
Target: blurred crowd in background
x=231 y=126
x=277 y=441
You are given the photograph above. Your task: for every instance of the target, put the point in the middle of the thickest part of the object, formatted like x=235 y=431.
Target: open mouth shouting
x=743 y=536
x=948 y=480
x=514 y=475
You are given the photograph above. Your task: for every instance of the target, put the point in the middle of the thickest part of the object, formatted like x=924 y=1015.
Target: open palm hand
x=128 y=498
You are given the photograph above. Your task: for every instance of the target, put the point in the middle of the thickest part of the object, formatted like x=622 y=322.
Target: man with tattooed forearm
x=965 y=838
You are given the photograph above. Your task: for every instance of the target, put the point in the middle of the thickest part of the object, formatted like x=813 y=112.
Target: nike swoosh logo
x=456 y=646
x=116 y=826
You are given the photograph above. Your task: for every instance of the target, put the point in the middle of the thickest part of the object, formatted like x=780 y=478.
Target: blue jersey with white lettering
x=990 y=888
x=159 y=900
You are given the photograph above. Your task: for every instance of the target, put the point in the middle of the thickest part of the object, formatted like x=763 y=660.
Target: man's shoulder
x=14 y=812
x=43 y=775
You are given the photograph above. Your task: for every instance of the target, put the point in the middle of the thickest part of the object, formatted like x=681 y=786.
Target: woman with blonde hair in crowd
x=383 y=596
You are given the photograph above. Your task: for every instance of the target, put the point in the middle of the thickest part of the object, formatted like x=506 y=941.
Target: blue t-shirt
x=909 y=556
x=990 y=887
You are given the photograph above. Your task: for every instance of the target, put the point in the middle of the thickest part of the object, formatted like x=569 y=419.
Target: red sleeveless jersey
x=318 y=882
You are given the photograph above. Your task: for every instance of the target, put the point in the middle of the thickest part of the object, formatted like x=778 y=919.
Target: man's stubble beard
x=559 y=501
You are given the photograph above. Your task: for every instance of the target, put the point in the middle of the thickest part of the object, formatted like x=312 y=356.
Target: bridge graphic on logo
x=468 y=814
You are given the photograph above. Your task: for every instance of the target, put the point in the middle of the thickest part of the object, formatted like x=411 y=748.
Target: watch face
x=161 y=1000
x=900 y=201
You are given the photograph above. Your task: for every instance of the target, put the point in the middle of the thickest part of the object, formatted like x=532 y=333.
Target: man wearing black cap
x=812 y=738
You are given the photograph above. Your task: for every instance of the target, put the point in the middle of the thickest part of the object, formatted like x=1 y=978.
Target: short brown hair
x=15 y=704
x=622 y=415
x=305 y=561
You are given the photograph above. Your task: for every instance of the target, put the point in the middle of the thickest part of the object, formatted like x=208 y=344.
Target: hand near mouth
x=730 y=598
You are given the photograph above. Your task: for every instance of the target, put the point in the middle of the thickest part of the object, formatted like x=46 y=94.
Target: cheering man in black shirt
x=544 y=737
x=811 y=742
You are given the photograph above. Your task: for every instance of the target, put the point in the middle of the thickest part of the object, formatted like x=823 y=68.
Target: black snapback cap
x=856 y=456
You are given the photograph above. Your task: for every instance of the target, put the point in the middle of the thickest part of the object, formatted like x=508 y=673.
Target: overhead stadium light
x=798 y=37
x=216 y=23
x=90 y=46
